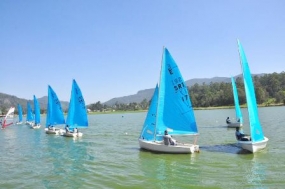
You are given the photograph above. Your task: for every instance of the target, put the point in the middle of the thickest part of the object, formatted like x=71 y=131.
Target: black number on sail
x=81 y=101
x=170 y=69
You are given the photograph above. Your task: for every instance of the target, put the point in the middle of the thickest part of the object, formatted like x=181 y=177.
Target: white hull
x=180 y=148
x=29 y=123
x=35 y=126
x=234 y=125
x=69 y=134
x=19 y=123
x=54 y=132
x=253 y=146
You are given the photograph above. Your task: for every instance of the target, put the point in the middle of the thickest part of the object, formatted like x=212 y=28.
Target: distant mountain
x=140 y=96
x=147 y=93
x=6 y=101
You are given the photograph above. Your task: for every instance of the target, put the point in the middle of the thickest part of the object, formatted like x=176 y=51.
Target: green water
x=108 y=156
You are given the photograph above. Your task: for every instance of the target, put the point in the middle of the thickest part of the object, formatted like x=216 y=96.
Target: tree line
x=269 y=89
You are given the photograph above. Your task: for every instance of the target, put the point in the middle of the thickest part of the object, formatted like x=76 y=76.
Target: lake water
x=108 y=156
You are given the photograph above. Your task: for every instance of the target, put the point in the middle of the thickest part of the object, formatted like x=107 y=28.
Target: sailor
x=67 y=129
x=228 y=120
x=168 y=139
x=239 y=134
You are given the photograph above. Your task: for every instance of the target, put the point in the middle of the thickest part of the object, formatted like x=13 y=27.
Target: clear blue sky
x=114 y=48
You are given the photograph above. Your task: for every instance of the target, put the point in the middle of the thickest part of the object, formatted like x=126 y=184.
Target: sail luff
x=159 y=96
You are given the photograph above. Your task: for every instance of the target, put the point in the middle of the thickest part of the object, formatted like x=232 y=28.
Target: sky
x=114 y=48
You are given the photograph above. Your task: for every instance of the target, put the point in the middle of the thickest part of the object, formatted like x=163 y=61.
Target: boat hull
x=69 y=134
x=35 y=126
x=234 y=125
x=253 y=146
x=55 y=132
x=159 y=147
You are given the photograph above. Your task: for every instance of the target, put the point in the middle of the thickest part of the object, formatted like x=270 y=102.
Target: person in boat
x=51 y=127
x=76 y=130
x=168 y=140
x=67 y=129
x=228 y=120
x=241 y=136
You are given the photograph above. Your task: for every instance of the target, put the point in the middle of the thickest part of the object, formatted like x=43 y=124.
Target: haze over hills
x=7 y=101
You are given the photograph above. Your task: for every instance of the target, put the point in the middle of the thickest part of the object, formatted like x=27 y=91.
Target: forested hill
x=6 y=101
x=269 y=89
x=147 y=93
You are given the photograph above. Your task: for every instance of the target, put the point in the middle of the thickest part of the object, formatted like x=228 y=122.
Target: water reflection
x=165 y=170
x=255 y=171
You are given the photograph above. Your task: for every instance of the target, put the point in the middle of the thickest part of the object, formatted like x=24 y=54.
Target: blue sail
x=237 y=107
x=30 y=115
x=37 y=111
x=77 y=113
x=174 y=111
x=54 y=111
x=148 y=129
x=20 y=112
x=255 y=126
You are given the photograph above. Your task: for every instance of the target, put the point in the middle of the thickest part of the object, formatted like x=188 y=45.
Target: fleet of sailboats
x=170 y=113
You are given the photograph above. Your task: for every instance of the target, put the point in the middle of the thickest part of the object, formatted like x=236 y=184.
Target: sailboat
x=9 y=118
x=170 y=110
x=37 y=124
x=257 y=140
x=54 y=113
x=239 y=118
x=77 y=113
x=30 y=116
x=20 y=112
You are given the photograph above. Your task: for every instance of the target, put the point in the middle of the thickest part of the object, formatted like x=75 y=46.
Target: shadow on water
x=218 y=126
x=225 y=148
